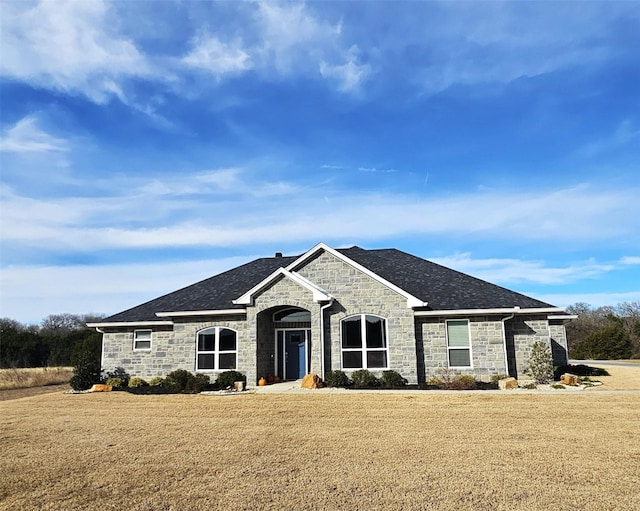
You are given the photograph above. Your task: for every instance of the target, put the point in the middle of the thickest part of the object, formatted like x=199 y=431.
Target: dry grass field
x=24 y=378
x=430 y=450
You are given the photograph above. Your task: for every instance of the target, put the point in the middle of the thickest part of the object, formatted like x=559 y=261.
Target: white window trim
x=470 y=366
x=216 y=352
x=135 y=333
x=364 y=349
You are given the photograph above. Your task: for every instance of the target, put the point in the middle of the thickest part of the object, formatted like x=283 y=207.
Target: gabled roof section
x=319 y=294
x=412 y=300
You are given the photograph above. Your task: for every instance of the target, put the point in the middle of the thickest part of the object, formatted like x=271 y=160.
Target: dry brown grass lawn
x=622 y=378
x=467 y=451
x=23 y=378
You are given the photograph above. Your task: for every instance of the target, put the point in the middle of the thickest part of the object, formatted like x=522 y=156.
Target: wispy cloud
x=630 y=260
x=100 y=288
x=517 y=271
x=69 y=46
x=169 y=219
x=210 y=54
x=27 y=137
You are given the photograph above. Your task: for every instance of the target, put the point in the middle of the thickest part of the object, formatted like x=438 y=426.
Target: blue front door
x=295 y=354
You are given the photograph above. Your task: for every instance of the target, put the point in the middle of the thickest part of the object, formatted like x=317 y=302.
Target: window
x=216 y=349
x=142 y=340
x=364 y=342
x=458 y=343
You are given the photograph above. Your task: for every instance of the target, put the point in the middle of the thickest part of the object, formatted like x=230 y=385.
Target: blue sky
x=148 y=145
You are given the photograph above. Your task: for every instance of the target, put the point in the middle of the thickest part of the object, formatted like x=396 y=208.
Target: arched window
x=292 y=315
x=364 y=342
x=216 y=349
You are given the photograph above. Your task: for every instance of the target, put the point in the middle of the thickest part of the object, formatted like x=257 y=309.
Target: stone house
x=331 y=309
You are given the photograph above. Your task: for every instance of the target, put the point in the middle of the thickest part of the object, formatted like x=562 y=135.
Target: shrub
x=448 y=379
x=115 y=382
x=86 y=364
x=137 y=382
x=155 y=381
x=197 y=383
x=611 y=342
x=392 y=379
x=463 y=382
x=363 y=378
x=336 y=378
x=226 y=378
x=177 y=380
x=540 y=363
x=119 y=373
x=579 y=370
x=495 y=378
x=530 y=386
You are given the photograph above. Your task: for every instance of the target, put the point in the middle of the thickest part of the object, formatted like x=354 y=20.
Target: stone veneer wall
x=171 y=347
x=524 y=331
x=559 y=348
x=487 y=346
x=357 y=293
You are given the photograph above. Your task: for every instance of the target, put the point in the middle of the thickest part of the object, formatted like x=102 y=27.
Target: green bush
x=336 y=378
x=226 y=379
x=540 y=363
x=391 y=379
x=115 y=382
x=178 y=380
x=137 y=382
x=156 y=380
x=120 y=374
x=608 y=343
x=495 y=378
x=86 y=364
x=363 y=378
x=197 y=383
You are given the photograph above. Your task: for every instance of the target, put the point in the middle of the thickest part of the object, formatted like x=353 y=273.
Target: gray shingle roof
x=442 y=288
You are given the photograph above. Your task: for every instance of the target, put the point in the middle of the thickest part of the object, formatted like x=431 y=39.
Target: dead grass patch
x=621 y=378
x=23 y=378
x=480 y=451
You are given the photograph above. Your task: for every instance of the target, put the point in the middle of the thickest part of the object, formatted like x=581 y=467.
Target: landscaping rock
x=508 y=383
x=311 y=381
x=98 y=387
x=569 y=379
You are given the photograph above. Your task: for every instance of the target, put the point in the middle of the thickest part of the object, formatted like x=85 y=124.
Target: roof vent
x=278 y=254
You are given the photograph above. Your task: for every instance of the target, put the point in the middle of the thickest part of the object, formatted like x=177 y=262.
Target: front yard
x=430 y=450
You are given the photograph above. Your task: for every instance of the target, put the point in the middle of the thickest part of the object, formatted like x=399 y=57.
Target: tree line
x=51 y=343
x=610 y=332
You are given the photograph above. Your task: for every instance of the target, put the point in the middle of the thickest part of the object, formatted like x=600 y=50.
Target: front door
x=295 y=354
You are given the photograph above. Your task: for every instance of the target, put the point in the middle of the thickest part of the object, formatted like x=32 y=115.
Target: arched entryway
x=292 y=327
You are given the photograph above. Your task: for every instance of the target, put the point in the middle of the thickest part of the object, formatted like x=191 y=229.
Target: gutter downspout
x=101 y=348
x=504 y=341
x=322 y=309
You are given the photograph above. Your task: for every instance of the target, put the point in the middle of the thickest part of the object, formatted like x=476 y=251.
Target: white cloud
x=516 y=271
x=260 y=210
x=349 y=75
x=68 y=45
x=218 y=58
x=630 y=260
x=26 y=137
x=103 y=289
